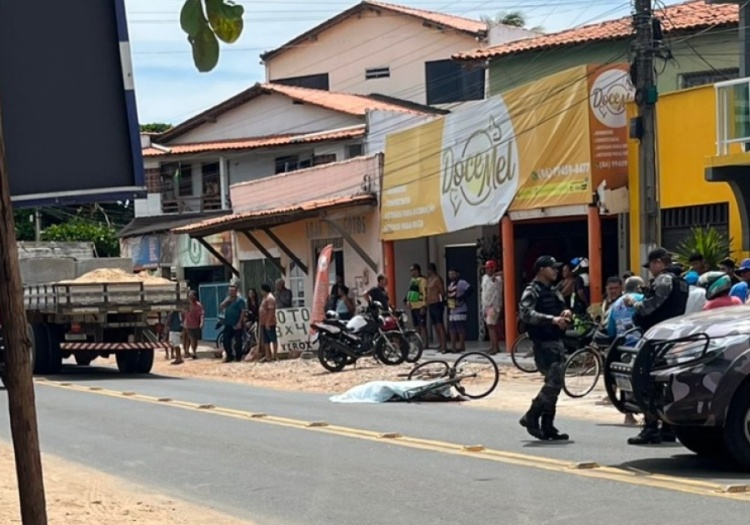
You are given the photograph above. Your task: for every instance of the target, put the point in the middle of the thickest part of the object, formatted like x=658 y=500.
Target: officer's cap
x=655 y=255
x=546 y=261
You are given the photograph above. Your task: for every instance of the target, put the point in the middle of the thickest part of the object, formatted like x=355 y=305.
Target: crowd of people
x=631 y=307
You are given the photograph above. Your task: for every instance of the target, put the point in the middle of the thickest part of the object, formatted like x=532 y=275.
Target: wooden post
x=389 y=261
x=18 y=381
x=510 y=301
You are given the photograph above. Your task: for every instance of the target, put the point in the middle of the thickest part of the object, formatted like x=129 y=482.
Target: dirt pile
x=117 y=276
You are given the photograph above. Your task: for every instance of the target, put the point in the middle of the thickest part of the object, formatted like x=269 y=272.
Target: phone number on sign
x=612 y=164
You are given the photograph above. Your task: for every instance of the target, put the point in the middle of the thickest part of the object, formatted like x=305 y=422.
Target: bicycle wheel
x=582 y=371
x=522 y=355
x=416 y=346
x=479 y=375
x=429 y=371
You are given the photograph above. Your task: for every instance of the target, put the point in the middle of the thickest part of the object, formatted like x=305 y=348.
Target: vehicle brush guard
x=628 y=370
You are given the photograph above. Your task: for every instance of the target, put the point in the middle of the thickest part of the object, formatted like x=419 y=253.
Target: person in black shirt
x=379 y=292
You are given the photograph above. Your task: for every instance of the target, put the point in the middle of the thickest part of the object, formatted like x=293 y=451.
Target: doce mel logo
x=484 y=162
x=609 y=97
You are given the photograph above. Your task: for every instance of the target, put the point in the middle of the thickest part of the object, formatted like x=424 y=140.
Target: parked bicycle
x=474 y=366
x=249 y=337
x=577 y=338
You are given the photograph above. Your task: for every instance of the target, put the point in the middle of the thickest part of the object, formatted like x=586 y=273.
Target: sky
x=169 y=89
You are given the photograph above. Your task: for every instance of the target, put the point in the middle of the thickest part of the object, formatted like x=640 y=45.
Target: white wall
x=298 y=237
x=500 y=34
x=265 y=115
x=370 y=40
x=260 y=164
x=381 y=123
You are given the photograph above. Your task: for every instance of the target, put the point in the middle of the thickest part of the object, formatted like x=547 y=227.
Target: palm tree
x=510 y=18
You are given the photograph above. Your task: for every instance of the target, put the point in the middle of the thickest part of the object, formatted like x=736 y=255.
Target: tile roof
x=164 y=223
x=474 y=28
x=343 y=102
x=458 y=23
x=693 y=15
x=281 y=215
x=256 y=142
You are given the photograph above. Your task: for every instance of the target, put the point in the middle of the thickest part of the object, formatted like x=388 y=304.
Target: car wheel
x=737 y=427
x=704 y=441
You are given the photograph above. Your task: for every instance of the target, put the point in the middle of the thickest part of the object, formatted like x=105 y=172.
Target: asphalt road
x=277 y=471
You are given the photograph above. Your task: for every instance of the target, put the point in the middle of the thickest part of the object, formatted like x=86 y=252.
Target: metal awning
x=255 y=220
x=264 y=220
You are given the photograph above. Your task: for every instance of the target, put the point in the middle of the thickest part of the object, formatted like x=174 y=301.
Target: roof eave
x=478 y=57
x=307 y=35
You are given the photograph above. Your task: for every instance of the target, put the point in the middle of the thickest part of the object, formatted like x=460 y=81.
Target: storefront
x=544 y=166
x=282 y=222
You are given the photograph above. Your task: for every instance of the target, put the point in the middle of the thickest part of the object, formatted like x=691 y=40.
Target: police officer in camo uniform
x=543 y=310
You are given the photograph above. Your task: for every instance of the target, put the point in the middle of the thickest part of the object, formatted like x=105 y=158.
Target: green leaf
x=205 y=50
x=226 y=19
x=192 y=19
x=711 y=243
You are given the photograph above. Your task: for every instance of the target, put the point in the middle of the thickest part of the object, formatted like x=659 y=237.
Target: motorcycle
x=369 y=333
x=416 y=345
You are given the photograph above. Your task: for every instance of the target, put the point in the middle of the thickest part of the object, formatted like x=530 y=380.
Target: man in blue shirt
x=621 y=315
x=234 y=314
x=620 y=320
x=740 y=290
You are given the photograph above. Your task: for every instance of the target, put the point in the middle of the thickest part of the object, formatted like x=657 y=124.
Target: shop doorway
x=211 y=296
x=205 y=275
x=463 y=258
x=564 y=239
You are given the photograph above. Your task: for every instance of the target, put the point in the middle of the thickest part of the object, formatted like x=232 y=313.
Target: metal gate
x=464 y=259
x=211 y=295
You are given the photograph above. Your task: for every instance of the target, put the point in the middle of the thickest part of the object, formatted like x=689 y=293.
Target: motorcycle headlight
x=404 y=318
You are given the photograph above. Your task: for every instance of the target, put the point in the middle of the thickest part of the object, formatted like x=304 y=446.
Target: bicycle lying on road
x=442 y=375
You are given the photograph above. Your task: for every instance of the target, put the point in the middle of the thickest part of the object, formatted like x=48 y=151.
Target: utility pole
x=37 y=225
x=18 y=370
x=646 y=97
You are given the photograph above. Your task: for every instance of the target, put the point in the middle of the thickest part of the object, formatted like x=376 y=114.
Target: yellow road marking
x=587 y=469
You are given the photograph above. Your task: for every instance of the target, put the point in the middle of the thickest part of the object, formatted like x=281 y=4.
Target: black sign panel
x=68 y=103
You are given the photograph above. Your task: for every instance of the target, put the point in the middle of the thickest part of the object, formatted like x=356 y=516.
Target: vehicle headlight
x=684 y=353
x=404 y=318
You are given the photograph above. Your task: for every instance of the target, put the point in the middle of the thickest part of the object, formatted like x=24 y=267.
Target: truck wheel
x=737 y=426
x=127 y=362
x=145 y=361
x=704 y=441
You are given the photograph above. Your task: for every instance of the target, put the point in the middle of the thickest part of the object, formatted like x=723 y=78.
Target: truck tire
x=737 y=426
x=704 y=441
x=127 y=362
x=145 y=361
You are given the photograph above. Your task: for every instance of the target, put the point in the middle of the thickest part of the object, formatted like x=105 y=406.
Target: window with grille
x=676 y=223
x=377 y=72
x=702 y=78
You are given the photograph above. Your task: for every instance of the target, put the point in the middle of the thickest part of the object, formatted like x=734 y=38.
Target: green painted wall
x=719 y=48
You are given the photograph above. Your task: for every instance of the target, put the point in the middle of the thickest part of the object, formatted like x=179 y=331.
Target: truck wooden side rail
x=90 y=320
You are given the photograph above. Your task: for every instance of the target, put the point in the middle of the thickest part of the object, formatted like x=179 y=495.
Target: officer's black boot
x=549 y=430
x=530 y=420
x=650 y=434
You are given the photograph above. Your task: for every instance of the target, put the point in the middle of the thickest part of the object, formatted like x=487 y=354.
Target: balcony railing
x=170 y=204
x=732 y=114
